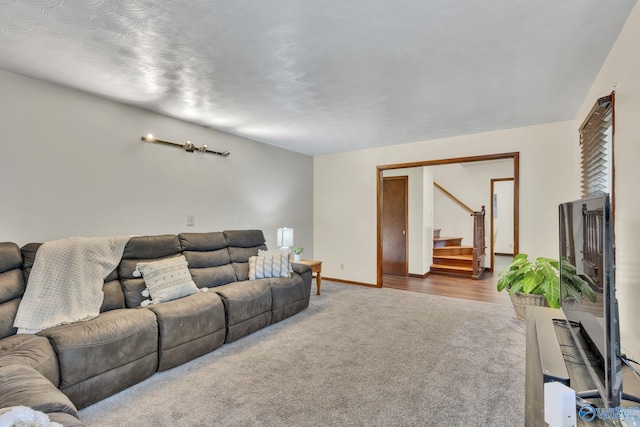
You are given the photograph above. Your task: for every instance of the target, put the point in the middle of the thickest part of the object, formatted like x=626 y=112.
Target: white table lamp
x=284 y=237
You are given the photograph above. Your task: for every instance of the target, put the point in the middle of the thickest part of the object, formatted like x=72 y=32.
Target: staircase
x=450 y=257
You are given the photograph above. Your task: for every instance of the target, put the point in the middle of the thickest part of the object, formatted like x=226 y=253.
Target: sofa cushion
x=167 y=279
x=23 y=385
x=243 y=244
x=208 y=258
x=247 y=307
x=11 y=279
x=112 y=290
x=10 y=256
x=8 y=311
x=102 y=356
x=143 y=249
x=33 y=351
x=11 y=286
x=189 y=327
x=288 y=297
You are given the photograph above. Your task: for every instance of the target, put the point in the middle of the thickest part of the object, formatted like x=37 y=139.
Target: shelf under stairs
x=451 y=257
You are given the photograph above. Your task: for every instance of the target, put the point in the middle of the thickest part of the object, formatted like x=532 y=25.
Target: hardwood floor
x=455 y=287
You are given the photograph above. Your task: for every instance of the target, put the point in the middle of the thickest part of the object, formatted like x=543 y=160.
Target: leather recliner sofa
x=65 y=368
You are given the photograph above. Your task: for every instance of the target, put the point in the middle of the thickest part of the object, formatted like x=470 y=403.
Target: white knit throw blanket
x=65 y=283
x=23 y=416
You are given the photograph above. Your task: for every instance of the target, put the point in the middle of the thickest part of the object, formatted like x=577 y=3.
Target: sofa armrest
x=23 y=385
x=300 y=268
x=65 y=419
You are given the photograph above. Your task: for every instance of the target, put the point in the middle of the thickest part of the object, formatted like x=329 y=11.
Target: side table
x=316 y=267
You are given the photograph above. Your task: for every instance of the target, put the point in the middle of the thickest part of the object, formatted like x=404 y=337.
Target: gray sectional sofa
x=66 y=368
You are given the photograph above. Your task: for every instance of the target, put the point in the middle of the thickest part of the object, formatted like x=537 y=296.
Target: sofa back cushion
x=11 y=286
x=143 y=249
x=113 y=296
x=208 y=258
x=243 y=244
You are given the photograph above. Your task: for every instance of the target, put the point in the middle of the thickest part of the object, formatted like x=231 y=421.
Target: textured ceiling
x=322 y=76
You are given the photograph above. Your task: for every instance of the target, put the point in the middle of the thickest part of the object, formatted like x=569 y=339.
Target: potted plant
x=297 y=253
x=538 y=283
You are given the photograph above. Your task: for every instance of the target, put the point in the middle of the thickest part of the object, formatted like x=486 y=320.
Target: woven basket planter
x=520 y=302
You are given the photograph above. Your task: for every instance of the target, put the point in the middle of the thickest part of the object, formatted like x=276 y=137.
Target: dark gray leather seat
x=188 y=327
x=105 y=355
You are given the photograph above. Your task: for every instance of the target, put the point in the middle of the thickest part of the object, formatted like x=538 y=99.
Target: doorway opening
x=514 y=157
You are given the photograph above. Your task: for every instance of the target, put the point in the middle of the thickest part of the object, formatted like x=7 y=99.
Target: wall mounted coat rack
x=187 y=146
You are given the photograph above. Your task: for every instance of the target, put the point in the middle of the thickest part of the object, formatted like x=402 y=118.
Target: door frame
x=515 y=156
x=404 y=178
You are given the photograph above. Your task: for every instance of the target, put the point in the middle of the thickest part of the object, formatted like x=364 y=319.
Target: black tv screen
x=587 y=246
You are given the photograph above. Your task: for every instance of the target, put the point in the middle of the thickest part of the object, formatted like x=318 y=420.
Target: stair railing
x=479 y=246
x=452 y=197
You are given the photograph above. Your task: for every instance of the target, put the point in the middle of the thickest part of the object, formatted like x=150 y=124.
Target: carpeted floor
x=356 y=357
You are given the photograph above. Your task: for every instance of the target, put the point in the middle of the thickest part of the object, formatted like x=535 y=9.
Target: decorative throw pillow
x=266 y=264
x=167 y=279
x=285 y=263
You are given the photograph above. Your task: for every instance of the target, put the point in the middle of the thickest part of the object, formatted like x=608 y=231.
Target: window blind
x=596 y=148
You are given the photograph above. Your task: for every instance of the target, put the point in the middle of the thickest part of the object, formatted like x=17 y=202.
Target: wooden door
x=394 y=225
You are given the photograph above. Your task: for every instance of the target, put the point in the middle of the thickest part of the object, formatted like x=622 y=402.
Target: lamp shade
x=284 y=237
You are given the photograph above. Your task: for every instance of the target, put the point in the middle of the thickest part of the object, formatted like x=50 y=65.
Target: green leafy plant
x=540 y=277
x=298 y=250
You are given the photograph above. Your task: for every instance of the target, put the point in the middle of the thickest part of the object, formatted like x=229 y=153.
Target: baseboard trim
x=349 y=282
x=420 y=276
x=502 y=253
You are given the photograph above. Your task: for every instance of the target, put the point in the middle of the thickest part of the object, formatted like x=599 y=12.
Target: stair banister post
x=478 y=243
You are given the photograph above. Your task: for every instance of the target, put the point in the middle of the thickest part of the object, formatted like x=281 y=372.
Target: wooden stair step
x=439 y=242
x=457 y=260
x=435 y=268
x=452 y=250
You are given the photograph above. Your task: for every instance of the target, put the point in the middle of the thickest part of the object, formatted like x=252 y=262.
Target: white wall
x=503 y=216
x=452 y=219
x=73 y=164
x=621 y=71
x=345 y=191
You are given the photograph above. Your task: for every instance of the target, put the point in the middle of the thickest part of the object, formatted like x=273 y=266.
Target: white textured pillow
x=167 y=279
x=285 y=262
x=269 y=264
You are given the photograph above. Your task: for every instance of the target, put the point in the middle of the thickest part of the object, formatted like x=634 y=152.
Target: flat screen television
x=587 y=245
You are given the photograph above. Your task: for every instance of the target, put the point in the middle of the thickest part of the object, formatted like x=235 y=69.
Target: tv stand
x=552 y=356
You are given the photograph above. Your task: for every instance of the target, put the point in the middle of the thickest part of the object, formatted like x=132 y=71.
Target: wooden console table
x=316 y=267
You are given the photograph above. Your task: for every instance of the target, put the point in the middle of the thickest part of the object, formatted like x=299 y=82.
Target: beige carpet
x=356 y=357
